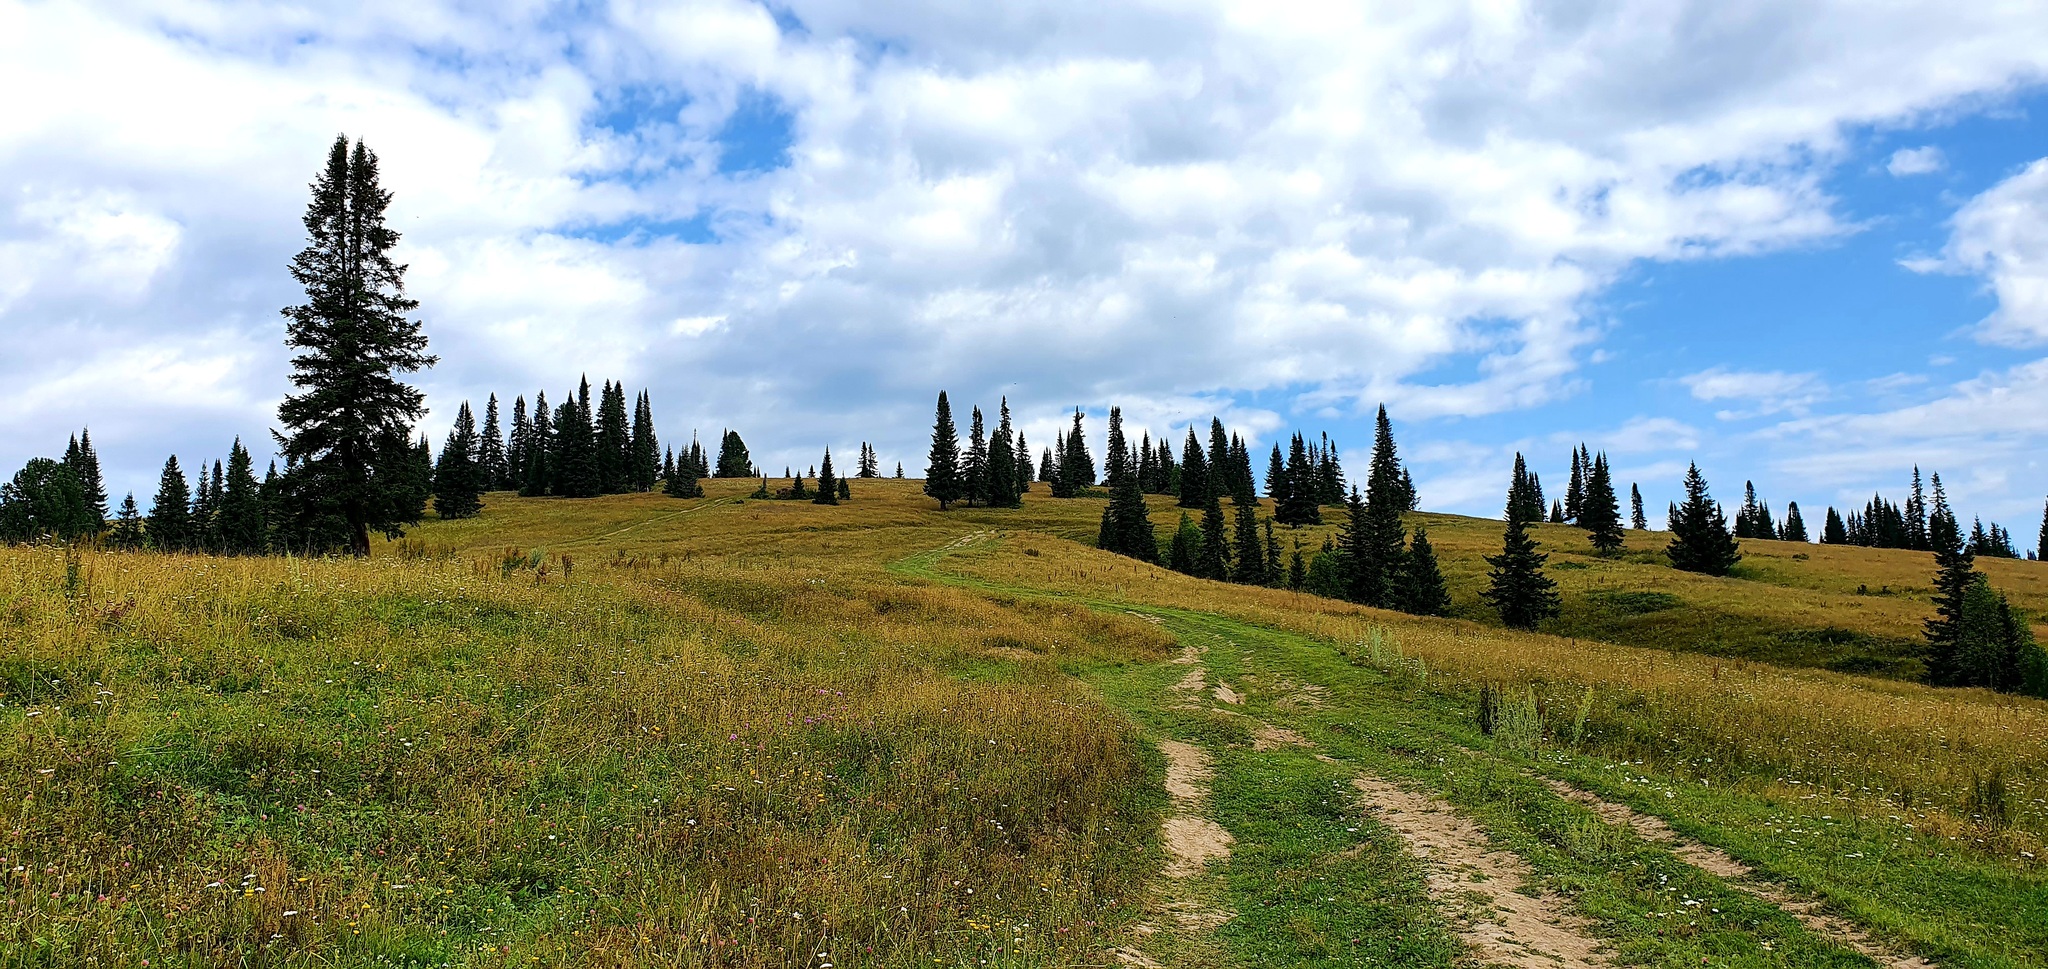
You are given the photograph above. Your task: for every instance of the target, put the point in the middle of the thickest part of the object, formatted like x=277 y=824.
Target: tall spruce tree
x=515 y=447
x=1355 y=543
x=974 y=474
x=1126 y=522
x=1002 y=461
x=1795 y=524
x=1421 y=588
x=1833 y=531
x=1195 y=491
x=1575 y=492
x=351 y=414
x=1297 y=503
x=1700 y=541
x=1213 y=558
x=1954 y=572
x=490 y=449
x=1251 y=565
x=1022 y=453
x=942 y=467
x=645 y=448
x=170 y=514
x=828 y=483
x=733 y=459
x=459 y=475
x=1517 y=588
x=84 y=463
x=1077 y=466
x=574 y=458
x=1184 y=553
x=1599 y=510
x=1377 y=560
x=242 y=527
x=1636 y=519
x=538 y=476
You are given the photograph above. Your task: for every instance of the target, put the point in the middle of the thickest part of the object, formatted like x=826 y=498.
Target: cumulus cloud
x=2002 y=236
x=1068 y=201
x=1925 y=160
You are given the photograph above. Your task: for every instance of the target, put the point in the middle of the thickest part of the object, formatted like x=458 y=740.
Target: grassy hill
x=637 y=731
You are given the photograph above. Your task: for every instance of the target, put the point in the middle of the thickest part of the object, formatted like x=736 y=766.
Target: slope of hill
x=641 y=731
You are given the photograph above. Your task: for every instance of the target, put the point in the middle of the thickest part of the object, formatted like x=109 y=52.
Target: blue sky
x=1801 y=243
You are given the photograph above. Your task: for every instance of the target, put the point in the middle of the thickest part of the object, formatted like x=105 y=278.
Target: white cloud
x=1762 y=392
x=2002 y=236
x=1074 y=201
x=1925 y=160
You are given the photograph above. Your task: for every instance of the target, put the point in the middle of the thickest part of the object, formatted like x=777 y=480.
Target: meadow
x=641 y=731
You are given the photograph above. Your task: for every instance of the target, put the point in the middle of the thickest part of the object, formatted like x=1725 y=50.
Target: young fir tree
x=127 y=532
x=351 y=413
x=1421 y=589
x=170 y=514
x=1275 y=573
x=459 y=475
x=942 y=468
x=1376 y=557
x=1636 y=518
x=1700 y=541
x=1251 y=553
x=1184 y=554
x=242 y=528
x=733 y=459
x=974 y=472
x=899 y=470
x=1023 y=455
x=1599 y=510
x=1194 y=474
x=1517 y=587
x=1297 y=568
x=1213 y=558
x=828 y=483
x=1355 y=544
x=490 y=449
x=1795 y=524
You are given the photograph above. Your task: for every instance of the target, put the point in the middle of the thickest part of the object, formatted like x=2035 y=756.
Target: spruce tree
x=1023 y=455
x=645 y=447
x=1213 y=561
x=170 y=514
x=1378 y=558
x=1297 y=568
x=1955 y=571
x=1185 y=552
x=899 y=470
x=1700 y=541
x=1251 y=553
x=974 y=475
x=490 y=449
x=1421 y=589
x=942 y=468
x=1517 y=587
x=1575 y=492
x=1194 y=474
x=1355 y=543
x=733 y=459
x=683 y=481
x=84 y=463
x=1126 y=522
x=515 y=447
x=537 y=474
x=1002 y=461
x=574 y=458
x=1795 y=524
x=1297 y=504
x=351 y=413
x=1276 y=476
x=1557 y=513
x=1077 y=466
x=127 y=533
x=199 y=531
x=1833 y=532
x=242 y=528
x=1274 y=572
x=828 y=483
x=1599 y=510
x=459 y=475
x=45 y=499
x=1636 y=518
x=1916 y=515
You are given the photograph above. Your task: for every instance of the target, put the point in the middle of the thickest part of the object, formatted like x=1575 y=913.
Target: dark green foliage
x=1184 y=554
x=1916 y=515
x=84 y=463
x=1213 y=560
x=351 y=413
x=733 y=459
x=240 y=520
x=459 y=475
x=1699 y=532
x=45 y=500
x=127 y=531
x=1327 y=573
x=1251 y=566
x=1834 y=532
x=845 y=492
x=643 y=448
x=1297 y=568
x=942 y=466
x=1753 y=519
x=1421 y=588
x=974 y=472
x=572 y=457
x=1795 y=524
x=1994 y=645
x=870 y=467
x=1126 y=522
x=1525 y=494
x=1517 y=587
x=1077 y=466
x=1022 y=453
x=828 y=483
x=1194 y=474
x=1636 y=519
x=1367 y=583
x=683 y=481
x=1599 y=509
x=1955 y=572
x=1575 y=492
x=490 y=450
x=537 y=465
x=1003 y=487
x=1557 y=513
x=1295 y=499
x=170 y=514
x=614 y=440
x=516 y=447
x=1373 y=542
